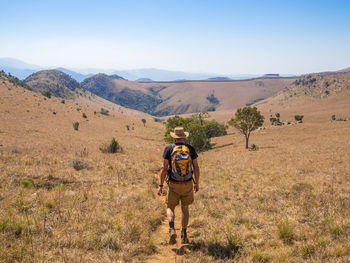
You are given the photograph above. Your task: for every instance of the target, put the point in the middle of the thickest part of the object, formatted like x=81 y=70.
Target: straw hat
x=179 y=133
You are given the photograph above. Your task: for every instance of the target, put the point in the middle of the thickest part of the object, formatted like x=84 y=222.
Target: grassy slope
x=62 y=85
x=98 y=214
x=286 y=202
x=187 y=97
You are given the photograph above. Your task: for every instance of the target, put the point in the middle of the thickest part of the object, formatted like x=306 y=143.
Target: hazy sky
x=224 y=37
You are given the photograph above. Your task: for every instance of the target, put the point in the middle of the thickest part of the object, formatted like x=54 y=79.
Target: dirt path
x=166 y=252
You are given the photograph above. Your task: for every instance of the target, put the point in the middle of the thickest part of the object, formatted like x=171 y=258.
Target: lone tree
x=144 y=122
x=246 y=120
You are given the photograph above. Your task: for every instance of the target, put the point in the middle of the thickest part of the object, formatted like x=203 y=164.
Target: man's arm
x=196 y=174
x=162 y=175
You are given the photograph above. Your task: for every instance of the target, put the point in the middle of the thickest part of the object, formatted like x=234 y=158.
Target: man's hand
x=196 y=187
x=160 y=190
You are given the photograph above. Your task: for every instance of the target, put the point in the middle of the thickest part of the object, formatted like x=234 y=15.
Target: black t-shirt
x=167 y=155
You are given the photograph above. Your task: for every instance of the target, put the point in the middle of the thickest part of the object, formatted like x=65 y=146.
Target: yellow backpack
x=181 y=163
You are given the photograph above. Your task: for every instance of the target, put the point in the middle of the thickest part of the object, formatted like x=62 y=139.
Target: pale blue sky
x=224 y=37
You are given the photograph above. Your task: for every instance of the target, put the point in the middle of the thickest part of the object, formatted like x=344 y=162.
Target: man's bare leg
x=184 y=221
x=170 y=213
x=185 y=216
x=171 y=218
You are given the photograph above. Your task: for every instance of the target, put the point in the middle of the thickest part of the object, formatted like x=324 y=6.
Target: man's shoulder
x=170 y=146
x=190 y=146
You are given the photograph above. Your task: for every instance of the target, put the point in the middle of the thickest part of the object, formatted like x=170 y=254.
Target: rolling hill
x=63 y=86
x=53 y=82
x=181 y=97
x=317 y=96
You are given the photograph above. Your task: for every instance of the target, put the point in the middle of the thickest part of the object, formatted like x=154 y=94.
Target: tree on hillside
x=246 y=120
x=144 y=122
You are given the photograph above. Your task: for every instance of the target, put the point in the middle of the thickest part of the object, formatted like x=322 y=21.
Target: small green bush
x=80 y=165
x=104 y=112
x=76 y=125
x=144 y=122
x=84 y=115
x=112 y=147
x=259 y=256
x=254 y=147
x=286 y=231
x=214 y=129
x=47 y=94
x=26 y=183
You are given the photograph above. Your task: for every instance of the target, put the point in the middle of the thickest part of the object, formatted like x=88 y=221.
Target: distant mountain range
x=157 y=98
x=172 y=97
x=22 y=70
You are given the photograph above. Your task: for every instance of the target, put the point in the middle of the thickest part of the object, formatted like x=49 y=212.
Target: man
x=180 y=162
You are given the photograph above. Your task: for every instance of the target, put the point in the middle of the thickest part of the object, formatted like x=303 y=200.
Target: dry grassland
x=49 y=212
x=287 y=202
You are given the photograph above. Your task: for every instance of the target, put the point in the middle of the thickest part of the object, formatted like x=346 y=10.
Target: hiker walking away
x=179 y=164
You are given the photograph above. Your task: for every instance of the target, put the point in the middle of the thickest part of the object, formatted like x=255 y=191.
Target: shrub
x=76 y=125
x=286 y=231
x=80 y=165
x=84 y=115
x=63 y=101
x=254 y=147
x=26 y=183
x=127 y=127
x=16 y=150
x=104 y=112
x=47 y=94
x=112 y=147
x=200 y=130
x=144 y=122
x=259 y=256
x=212 y=99
x=333 y=117
x=197 y=137
x=214 y=129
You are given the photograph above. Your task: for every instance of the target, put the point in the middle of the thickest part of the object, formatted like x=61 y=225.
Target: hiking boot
x=184 y=238
x=172 y=236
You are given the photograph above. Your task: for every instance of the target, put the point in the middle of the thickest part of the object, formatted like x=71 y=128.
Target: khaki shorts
x=180 y=191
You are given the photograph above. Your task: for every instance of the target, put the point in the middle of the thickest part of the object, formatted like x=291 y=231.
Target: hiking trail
x=165 y=251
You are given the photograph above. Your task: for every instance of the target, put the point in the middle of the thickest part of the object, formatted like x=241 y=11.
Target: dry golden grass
x=287 y=202
x=49 y=212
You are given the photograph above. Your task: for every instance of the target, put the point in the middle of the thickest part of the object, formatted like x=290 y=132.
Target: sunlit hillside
x=63 y=200
x=53 y=212
x=181 y=97
x=61 y=85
